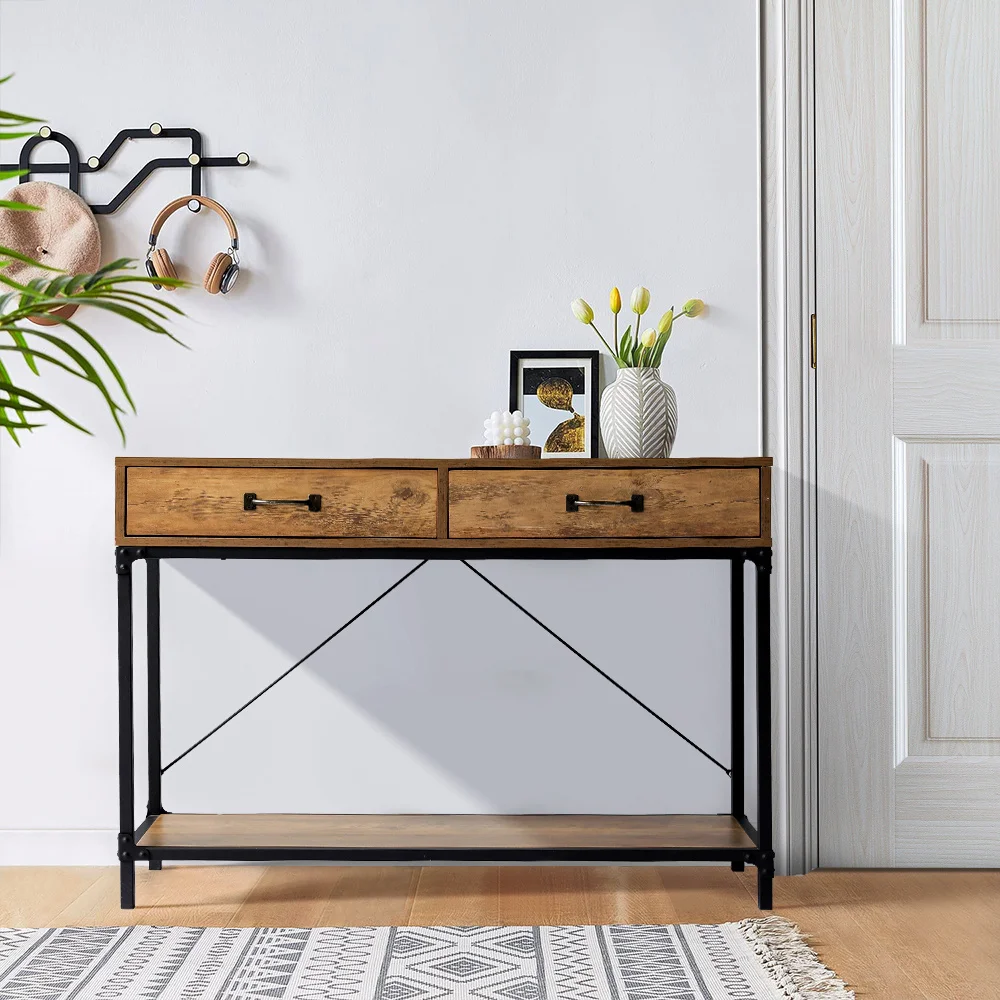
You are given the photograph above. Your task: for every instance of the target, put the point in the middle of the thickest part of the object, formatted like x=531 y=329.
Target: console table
x=195 y=508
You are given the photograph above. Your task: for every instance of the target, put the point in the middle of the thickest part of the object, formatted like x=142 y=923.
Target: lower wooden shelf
x=443 y=833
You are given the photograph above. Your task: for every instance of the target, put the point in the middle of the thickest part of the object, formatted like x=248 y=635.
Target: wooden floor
x=928 y=935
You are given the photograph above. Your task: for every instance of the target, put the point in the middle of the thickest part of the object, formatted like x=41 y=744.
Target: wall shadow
x=455 y=678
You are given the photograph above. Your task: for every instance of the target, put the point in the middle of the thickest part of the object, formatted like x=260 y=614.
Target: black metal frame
x=129 y=851
x=594 y=357
x=74 y=166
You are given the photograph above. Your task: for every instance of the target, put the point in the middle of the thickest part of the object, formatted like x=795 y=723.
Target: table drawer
x=675 y=503
x=188 y=501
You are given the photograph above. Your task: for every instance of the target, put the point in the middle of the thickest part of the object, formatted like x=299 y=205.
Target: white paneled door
x=908 y=391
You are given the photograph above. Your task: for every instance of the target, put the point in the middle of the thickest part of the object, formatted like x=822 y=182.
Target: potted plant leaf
x=39 y=328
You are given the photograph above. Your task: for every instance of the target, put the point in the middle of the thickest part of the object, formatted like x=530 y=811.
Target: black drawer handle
x=574 y=503
x=314 y=502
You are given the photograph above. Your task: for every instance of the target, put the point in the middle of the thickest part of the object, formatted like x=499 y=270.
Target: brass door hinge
x=812 y=340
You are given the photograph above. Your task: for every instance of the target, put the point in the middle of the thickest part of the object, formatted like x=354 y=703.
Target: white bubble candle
x=506 y=428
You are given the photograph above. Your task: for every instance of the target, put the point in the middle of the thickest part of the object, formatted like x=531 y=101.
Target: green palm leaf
x=14 y=255
x=66 y=345
x=87 y=371
x=43 y=405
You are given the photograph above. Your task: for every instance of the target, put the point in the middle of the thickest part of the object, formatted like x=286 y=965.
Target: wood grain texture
x=948 y=203
x=961 y=142
x=892 y=935
x=506 y=451
x=267 y=900
x=359 y=546
x=948 y=812
x=787 y=281
x=906 y=198
x=370 y=897
x=947 y=406
x=123 y=462
x=553 y=894
x=461 y=897
x=854 y=444
x=32 y=896
x=924 y=677
x=765 y=503
x=191 y=497
x=208 y=502
x=616 y=895
x=211 y=896
x=963 y=600
x=679 y=503
x=952 y=391
x=443 y=831
x=442 y=506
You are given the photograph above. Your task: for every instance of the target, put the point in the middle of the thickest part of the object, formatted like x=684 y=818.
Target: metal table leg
x=762 y=853
x=738 y=661
x=126 y=738
x=155 y=805
x=765 y=866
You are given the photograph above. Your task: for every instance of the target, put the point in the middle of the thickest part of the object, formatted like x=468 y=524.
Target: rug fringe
x=790 y=962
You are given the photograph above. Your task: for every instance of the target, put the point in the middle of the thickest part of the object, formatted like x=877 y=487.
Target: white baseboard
x=58 y=847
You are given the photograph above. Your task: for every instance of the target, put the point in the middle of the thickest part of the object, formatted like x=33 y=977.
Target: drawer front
x=676 y=503
x=210 y=502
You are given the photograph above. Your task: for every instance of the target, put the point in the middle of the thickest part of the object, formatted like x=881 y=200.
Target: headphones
x=224 y=268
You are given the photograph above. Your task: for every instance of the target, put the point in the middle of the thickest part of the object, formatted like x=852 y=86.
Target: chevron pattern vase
x=638 y=415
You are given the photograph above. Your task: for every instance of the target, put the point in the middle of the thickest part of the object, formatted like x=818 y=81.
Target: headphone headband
x=169 y=210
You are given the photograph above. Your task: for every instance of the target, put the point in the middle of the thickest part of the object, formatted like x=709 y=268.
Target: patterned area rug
x=763 y=959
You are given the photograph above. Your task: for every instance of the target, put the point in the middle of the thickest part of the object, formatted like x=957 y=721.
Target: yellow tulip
x=648 y=338
x=666 y=322
x=693 y=307
x=640 y=300
x=616 y=301
x=582 y=311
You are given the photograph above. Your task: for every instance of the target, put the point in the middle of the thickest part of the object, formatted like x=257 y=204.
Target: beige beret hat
x=63 y=234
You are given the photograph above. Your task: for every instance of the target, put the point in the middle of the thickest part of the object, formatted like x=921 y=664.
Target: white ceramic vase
x=638 y=415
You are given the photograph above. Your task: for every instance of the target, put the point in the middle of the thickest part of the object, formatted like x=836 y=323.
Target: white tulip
x=582 y=311
x=640 y=300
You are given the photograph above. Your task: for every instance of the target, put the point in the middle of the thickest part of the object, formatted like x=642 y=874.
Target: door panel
x=953 y=58
x=952 y=600
x=963 y=600
x=946 y=816
x=908 y=389
x=957 y=380
x=854 y=447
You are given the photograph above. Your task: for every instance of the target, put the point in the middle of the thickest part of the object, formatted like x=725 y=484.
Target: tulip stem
x=603 y=341
x=616 y=335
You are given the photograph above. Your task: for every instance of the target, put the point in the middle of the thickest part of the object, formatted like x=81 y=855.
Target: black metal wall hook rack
x=195 y=161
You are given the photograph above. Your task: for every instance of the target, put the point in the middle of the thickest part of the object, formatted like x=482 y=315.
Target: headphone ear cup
x=163 y=266
x=212 y=282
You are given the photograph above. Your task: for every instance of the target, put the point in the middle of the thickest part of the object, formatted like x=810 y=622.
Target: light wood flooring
x=928 y=935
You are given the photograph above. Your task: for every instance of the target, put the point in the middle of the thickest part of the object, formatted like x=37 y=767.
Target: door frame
x=788 y=276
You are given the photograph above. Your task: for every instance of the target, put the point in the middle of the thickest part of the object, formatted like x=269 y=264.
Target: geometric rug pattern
x=753 y=960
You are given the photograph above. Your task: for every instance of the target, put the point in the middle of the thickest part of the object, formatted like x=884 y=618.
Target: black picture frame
x=593 y=358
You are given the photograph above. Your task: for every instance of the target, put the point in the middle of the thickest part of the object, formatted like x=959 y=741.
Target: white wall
x=432 y=184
